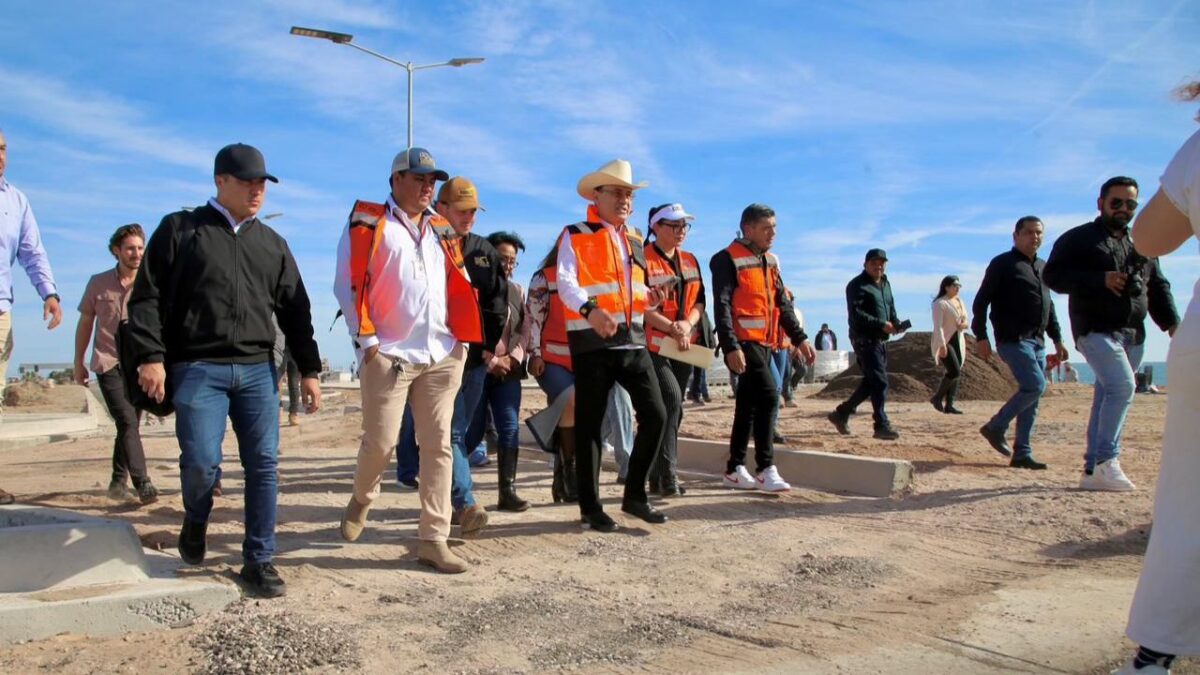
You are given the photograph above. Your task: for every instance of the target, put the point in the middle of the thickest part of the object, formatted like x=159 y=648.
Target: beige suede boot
x=355 y=519
x=472 y=519
x=437 y=554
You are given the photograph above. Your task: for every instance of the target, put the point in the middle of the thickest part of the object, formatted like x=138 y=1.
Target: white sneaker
x=1108 y=477
x=1152 y=669
x=770 y=481
x=740 y=479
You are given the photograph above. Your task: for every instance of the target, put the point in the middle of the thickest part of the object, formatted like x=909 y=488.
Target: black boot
x=940 y=395
x=557 y=490
x=950 y=395
x=566 y=452
x=507 y=468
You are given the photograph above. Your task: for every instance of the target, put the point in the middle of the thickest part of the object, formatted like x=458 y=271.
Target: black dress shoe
x=886 y=434
x=599 y=521
x=672 y=488
x=996 y=439
x=192 y=544
x=936 y=402
x=644 y=511
x=147 y=493
x=951 y=410
x=263 y=580
x=1027 y=463
x=779 y=438
x=840 y=421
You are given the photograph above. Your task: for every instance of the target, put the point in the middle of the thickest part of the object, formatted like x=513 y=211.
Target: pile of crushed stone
x=913 y=376
x=248 y=643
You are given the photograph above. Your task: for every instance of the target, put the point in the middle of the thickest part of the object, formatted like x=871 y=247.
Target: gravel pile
x=166 y=611
x=913 y=376
x=839 y=570
x=248 y=643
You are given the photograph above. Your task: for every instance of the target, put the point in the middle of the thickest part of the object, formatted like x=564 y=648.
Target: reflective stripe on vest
x=554 y=328
x=662 y=272
x=597 y=257
x=367 y=223
x=755 y=314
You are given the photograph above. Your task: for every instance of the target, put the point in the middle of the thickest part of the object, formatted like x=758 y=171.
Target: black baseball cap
x=876 y=253
x=242 y=161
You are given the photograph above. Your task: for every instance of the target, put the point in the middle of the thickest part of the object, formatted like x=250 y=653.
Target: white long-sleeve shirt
x=572 y=294
x=407 y=291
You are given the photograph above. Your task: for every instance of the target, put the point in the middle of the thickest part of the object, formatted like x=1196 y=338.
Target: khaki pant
x=431 y=390
x=6 y=347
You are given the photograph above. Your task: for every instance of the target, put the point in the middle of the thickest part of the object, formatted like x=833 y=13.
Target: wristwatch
x=588 y=307
x=52 y=295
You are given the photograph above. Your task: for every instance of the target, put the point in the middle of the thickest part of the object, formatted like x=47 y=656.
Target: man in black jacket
x=872 y=313
x=1111 y=288
x=826 y=339
x=1022 y=312
x=201 y=309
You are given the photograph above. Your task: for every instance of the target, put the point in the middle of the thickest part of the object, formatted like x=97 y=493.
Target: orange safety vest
x=367 y=222
x=782 y=341
x=661 y=272
x=555 y=348
x=755 y=313
x=599 y=264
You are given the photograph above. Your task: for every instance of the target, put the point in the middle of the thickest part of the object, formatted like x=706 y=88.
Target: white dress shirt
x=407 y=292
x=233 y=223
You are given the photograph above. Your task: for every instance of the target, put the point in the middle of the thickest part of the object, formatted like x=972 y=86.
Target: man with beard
x=1111 y=288
x=103 y=306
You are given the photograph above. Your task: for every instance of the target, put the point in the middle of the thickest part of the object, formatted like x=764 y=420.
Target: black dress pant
x=755 y=407
x=595 y=374
x=672 y=382
x=128 y=459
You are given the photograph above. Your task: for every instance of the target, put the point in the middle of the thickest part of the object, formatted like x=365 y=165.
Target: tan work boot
x=355 y=519
x=472 y=519
x=437 y=554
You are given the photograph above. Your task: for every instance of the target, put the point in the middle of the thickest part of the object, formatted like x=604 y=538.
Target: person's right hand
x=942 y=351
x=602 y=322
x=536 y=366
x=1115 y=282
x=888 y=328
x=81 y=373
x=736 y=362
x=983 y=348
x=152 y=378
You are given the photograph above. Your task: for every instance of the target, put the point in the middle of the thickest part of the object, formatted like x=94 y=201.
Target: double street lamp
x=346 y=39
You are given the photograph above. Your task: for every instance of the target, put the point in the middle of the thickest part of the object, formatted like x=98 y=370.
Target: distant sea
x=1086 y=375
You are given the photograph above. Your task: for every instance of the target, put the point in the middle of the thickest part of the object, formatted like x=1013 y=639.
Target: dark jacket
x=483 y=267
x=1021 y=304
x=1076 y=267
x=832 y=339
x=869 y=306
x=211 y=298
x=724 y=280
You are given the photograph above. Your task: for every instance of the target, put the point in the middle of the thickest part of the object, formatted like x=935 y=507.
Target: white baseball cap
x=669 y=212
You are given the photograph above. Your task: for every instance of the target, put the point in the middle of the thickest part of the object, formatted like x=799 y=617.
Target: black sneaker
x=1027 y=462
x=599 y=521
x=886 y=434
x=263 y=580
x=644 y=511
x=192 y=543
x=996 y=439
x=118 y=491
x=779 y=438
x=951 y=410
x=840 y=421
x=147 y=493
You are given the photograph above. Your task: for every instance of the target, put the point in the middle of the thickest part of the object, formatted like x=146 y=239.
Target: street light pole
x=347 y=39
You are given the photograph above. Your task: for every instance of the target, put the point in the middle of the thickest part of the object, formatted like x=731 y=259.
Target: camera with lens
x=1135 y=265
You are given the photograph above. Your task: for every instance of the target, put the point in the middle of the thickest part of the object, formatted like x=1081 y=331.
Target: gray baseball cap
x=418 y=161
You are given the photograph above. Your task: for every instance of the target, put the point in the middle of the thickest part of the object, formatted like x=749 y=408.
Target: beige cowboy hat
x=616 y=172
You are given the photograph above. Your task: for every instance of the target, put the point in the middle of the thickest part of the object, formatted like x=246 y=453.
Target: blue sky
x=923 y=128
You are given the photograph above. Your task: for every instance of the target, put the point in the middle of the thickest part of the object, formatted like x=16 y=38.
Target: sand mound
x=912 y=374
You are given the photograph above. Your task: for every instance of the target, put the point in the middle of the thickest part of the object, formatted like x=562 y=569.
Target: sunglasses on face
x=1116 y=203
x=677 y=226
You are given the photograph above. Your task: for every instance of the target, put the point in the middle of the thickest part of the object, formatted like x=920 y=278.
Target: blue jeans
x=503 y=398
x=248 y=394
x=699 y=384
x=617 y=427
x=1114 y=360
x=1027 y=361
x=408 y=464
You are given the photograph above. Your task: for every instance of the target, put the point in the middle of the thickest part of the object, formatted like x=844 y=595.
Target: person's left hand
x=684 y=343
x=53 y=311
x=310 y=393
x=1061 y=351
x=807 y=351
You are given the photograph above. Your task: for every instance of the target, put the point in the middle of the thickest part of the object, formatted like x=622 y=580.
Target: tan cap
x=460 y=193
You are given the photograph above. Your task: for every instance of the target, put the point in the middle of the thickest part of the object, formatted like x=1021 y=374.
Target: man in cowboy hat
x=602 y=283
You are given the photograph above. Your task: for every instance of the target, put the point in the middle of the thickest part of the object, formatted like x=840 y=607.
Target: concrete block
x=46 y=548
x=870 y=476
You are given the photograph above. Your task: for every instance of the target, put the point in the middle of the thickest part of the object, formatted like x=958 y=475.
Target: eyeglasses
x=510 y=262
x=619 y=193
x=678 y=226
x=1116 y=202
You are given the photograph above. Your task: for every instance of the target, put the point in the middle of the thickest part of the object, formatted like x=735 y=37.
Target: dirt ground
x=980 y=568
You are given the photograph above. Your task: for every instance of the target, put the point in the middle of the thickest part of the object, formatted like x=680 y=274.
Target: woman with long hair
x=947 y=342
x=1163 y=619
